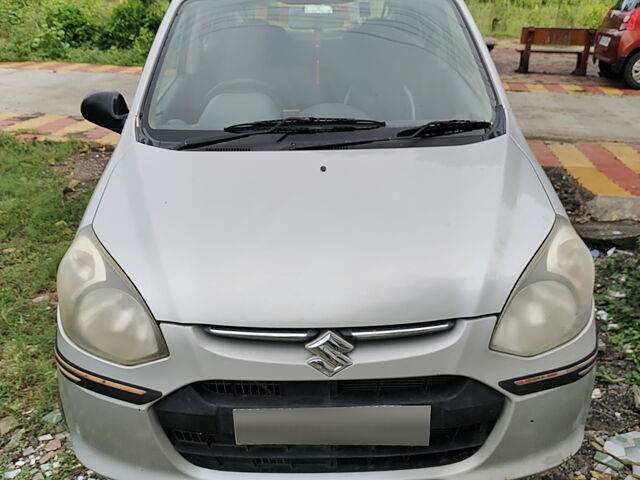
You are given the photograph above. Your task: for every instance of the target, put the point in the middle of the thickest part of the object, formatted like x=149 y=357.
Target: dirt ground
x=613 y=412
x=545 y=68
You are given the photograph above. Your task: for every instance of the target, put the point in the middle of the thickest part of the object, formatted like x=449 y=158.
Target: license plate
x=370 y=425
x=604 y=41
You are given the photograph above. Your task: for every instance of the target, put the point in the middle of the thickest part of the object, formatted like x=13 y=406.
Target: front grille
x=244 y=389
x=198 y=421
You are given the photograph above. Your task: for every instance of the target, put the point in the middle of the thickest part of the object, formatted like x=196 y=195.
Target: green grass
x=505 y=18
x=36 y=227
x=116 y=32
x=621 y=273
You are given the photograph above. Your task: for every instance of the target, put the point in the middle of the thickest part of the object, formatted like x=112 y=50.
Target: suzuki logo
x=330 y=351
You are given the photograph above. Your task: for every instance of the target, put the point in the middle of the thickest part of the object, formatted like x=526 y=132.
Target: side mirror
x=107 y=109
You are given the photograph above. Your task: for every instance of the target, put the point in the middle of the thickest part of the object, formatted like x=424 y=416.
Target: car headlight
x=553 y=300
x=100 y=310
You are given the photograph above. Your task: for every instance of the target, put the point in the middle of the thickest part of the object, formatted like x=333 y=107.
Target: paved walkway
x=56 y=127
x=571 y=88
x=605 y=168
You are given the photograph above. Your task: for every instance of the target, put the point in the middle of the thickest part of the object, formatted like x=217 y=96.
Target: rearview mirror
x=107 y=109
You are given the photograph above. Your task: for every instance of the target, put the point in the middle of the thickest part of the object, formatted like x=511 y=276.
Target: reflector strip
x=558 y=373
x=105 y=386
x=551 y=378
x=67 y=374
x=99 y=380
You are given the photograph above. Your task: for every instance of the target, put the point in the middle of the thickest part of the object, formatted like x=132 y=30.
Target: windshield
x=627 y=5
x=227 y=62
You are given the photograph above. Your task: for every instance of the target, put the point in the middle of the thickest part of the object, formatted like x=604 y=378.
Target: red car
x=618 y=42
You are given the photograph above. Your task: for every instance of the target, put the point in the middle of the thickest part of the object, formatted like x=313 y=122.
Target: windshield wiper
x=444 y=127
x=431 y=129
x=295 y=124
x=283 y=125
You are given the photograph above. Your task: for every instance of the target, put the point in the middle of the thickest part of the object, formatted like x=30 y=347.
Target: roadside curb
x=611 y=169
x=605 y=208
x=72 y=67
x=568 y=88
x=55 y=127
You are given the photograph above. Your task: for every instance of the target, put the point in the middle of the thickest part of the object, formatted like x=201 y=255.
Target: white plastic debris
x=616 y=294
x=596 y=394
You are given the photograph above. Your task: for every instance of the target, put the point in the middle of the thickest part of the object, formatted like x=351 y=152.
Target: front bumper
x=534 y=432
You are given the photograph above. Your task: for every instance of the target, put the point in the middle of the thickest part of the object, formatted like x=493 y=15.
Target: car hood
x=382 y=236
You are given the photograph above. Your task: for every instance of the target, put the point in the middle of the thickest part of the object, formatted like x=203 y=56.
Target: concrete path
x=56 y=92
x=579 y=117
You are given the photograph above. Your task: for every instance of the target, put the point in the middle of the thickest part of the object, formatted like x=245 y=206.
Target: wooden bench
x=579 y=41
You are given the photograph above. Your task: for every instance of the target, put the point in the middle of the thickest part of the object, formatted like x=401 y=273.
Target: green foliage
x=92 y=31
x=127 y=21
x=32 y=240
x=70 y=23
x=621 y=273
x=507 y=17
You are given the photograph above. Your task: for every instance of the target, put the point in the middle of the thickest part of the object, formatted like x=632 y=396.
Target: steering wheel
x=244 y=85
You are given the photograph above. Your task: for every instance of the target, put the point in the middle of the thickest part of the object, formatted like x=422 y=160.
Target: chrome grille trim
x=304 y=335
x=400 y=331
x=259 y=334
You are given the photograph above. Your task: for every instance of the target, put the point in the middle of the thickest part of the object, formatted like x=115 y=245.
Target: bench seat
x=552 y=49
x=567 y=41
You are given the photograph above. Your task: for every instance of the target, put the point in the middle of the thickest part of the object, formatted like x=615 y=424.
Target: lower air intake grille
x=198 y=421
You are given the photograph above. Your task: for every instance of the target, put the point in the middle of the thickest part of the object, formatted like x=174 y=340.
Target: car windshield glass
x=402 y=62
x=627 y=5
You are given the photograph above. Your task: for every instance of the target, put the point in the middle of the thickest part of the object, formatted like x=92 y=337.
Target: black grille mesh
x=198 y=421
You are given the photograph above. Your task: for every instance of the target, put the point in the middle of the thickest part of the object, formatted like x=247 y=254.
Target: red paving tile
x=30 y=136
x=84 y=68
x=52 y=127
x=594 y=90
x=544 y=155
x=555 y=88
x=8 y=122
x=611 y=166
x=57 y=65
x=96 y=133
x=518 y=86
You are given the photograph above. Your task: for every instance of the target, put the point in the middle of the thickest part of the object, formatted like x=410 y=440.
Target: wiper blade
x=431 y=129
x=282 y=125
x=295 y=124
x=444 y=127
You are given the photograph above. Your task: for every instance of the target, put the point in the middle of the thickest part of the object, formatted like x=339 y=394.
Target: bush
x=71 y=24
x=129 y=21
x=507 y=17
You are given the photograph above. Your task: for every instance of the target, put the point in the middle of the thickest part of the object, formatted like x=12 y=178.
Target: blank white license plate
x=604 y=41
x=371 y=425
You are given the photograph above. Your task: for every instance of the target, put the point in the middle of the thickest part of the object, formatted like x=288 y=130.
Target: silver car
x=322 y=249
